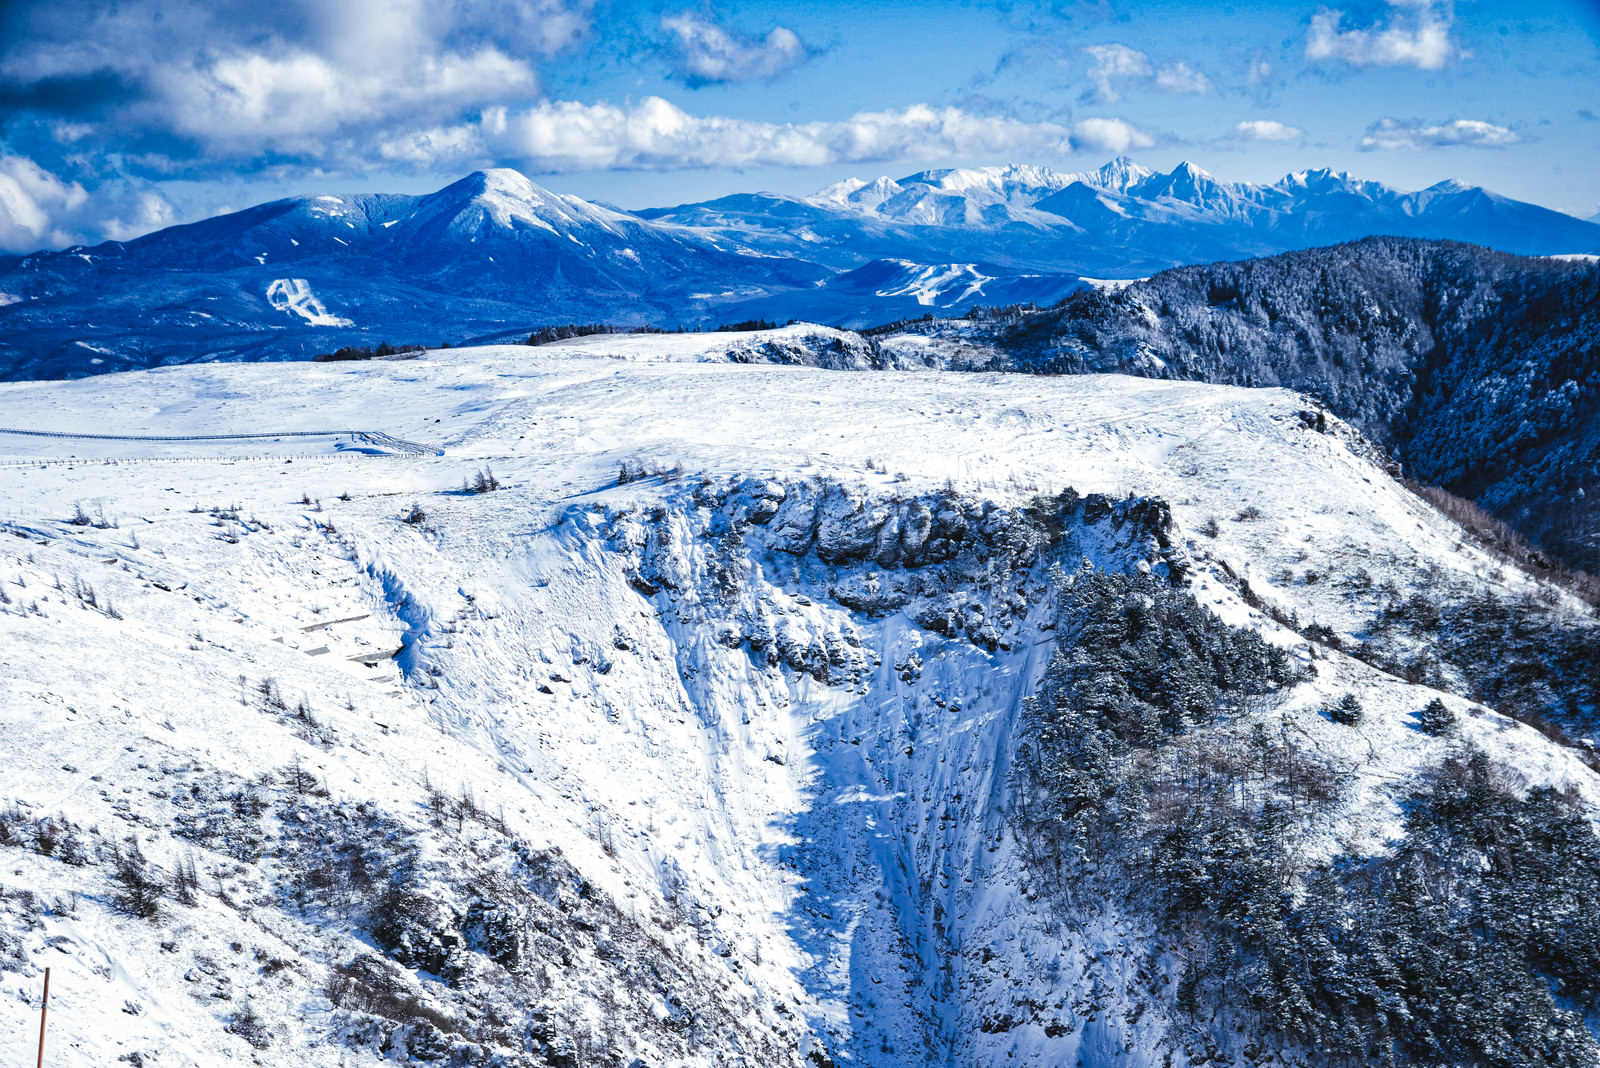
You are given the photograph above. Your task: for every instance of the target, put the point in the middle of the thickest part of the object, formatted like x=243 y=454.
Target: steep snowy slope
x=688 y=740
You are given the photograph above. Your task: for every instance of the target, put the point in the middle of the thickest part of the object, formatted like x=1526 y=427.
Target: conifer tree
x=1347 y=711
x=1437 y=719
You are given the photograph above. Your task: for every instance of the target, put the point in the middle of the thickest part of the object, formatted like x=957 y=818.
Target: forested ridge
x=1478 y=371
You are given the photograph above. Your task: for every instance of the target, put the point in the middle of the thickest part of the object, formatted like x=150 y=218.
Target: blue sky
x=117 y=118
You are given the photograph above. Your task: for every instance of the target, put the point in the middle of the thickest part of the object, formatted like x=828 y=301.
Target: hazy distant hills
x=493 y=255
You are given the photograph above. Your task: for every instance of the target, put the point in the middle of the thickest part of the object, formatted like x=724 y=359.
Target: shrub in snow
x=1436 y=718
x=482 y=481
x=250 y=1026
x=139 y=888
x=1347 y=711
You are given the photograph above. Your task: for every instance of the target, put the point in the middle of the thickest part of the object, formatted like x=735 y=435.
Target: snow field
x=835 y=848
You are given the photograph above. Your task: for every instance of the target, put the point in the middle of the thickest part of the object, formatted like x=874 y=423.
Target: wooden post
x=44 y=1007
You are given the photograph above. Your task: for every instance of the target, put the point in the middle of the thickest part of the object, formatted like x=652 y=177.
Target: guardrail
x=371 y=437
x=196 y=458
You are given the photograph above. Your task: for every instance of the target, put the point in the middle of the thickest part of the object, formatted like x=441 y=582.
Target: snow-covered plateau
x=591 y=704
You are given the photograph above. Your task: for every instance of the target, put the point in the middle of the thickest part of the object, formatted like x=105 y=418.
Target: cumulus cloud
x=229 y=81
x=32 y=203
x=654 y=134
x=1114 y=63
x=145 y=211
x=708 y=53
x=1266 y=130
x=39 y=209
x=1181 y=78
x=1399 y=133
x=1109 y=135
x=1416 y=34
x=249 y=103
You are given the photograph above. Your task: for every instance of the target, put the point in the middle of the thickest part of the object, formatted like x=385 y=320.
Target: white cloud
x=1260 y=70
x=245 y=82
x=1115 y=61
x=1118 y=63
x=39 y=209
x=32 y=202
x=1109 y=135
x=148 y=211
x=1181 y=78
x=1397 y=133
x=1417 y=34
x=654 y=134
x=248 y=103
x=711 y=54
x=1266 y=130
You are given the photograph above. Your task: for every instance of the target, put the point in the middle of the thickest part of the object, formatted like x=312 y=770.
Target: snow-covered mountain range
x=1124 y=220
x=622 y=702
x=495 y=255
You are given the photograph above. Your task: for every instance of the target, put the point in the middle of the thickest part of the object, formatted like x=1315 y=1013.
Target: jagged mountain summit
x=1124 y=220
x=494 y=255
x=536 y=707
x=1322 y=205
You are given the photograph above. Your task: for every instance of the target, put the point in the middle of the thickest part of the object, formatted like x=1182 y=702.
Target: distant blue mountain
x=493 y=255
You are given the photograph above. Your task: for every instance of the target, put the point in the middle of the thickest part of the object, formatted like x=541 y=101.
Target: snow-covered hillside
x=1472 y=368
x=604 y=705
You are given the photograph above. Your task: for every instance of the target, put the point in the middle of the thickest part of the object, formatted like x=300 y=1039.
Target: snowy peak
x=1017 y=186
x=1120 y=175
x=856 y=193
x=1008 y=180
x=1186 y=183
x=506 y=198
x=975 y=196
x=986 y=198
x=1324 y=180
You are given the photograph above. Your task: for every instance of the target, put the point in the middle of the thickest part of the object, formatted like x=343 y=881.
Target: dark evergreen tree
x=1436 y=718
x=1348 y=711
